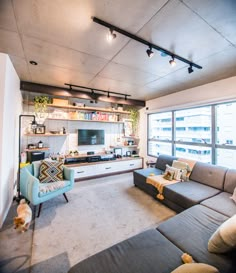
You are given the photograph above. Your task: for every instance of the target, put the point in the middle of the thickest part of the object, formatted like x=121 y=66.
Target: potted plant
x=40 y=107
x=40 y=104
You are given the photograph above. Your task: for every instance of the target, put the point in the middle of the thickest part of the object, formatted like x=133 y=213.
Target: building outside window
x=206 y=134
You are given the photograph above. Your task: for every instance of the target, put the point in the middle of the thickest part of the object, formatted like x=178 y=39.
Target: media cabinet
x=88 y=170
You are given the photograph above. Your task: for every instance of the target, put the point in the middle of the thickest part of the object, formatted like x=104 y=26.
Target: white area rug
x=100 y=213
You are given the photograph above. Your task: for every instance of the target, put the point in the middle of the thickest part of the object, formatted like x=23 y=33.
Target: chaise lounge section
x=204 y=204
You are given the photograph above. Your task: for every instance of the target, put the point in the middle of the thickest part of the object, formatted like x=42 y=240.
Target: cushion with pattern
x=50 y=171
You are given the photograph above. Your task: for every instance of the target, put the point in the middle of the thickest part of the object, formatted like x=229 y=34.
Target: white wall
x=10 y=108
x=223 y=90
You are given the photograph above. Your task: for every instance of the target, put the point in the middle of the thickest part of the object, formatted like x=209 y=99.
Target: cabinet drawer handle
x=108 y=168
x=131 y=164
x=81 y=172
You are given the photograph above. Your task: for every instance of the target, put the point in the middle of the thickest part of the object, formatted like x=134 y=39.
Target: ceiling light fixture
x=111 y=36
x=150 y=53
x=140 y=40
x=92 y=90
x=33 y=62
x=190 y=69
x=172 y=62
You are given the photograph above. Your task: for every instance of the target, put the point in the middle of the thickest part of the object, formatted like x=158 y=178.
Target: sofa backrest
x=209 y=174
x=162 y=160
x=230 y=181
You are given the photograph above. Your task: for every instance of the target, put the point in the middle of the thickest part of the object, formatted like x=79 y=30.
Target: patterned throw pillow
x=50 y=171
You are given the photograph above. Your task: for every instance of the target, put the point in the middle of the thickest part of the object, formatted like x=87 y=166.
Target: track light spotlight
x=190 y=69
x=111 y=36
x=172 y=62
x=164 y=52
x=108 y=94
x=150 y=53
x=125 y=97
x=92 y=91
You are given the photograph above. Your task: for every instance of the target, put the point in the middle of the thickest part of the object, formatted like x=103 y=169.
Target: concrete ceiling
x=70 y=48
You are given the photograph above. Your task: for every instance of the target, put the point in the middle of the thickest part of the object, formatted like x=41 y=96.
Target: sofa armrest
x=69 y=174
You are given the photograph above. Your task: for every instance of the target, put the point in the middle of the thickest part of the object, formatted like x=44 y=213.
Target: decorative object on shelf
x=40 y=144
x=23 y=157
x=64 y=130
x=40 y=129
x=128 y=153
x=55 y=132
x=128 y=127
x=118 y=152
x=61 y=102
x=31 y=146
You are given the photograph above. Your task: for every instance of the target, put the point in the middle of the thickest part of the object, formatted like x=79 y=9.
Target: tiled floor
x=15 y=247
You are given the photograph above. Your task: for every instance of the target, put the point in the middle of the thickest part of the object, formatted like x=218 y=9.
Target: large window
x=206 y=134
x=160 y=133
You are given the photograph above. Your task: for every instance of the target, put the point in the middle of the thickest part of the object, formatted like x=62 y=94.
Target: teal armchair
x=36 y=192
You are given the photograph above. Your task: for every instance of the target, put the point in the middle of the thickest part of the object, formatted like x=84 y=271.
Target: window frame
x=213 y=145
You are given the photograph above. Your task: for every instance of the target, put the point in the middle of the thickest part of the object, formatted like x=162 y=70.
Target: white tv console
x=104 y=168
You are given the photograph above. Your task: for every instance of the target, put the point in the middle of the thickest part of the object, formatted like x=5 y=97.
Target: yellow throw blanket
x=159 y=183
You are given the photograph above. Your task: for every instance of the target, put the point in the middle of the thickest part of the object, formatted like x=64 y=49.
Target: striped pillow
x=50 y=171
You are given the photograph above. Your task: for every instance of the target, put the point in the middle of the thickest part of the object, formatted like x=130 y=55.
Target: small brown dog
x=24 y=216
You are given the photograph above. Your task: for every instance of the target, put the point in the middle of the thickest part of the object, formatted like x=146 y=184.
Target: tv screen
x=90 y=137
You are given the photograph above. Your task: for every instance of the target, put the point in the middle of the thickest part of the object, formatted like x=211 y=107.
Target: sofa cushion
x=187 y=194
x=224 y=238
x=190 y=231
x=162 y=160
x=230 y=181
x=196 y=268
x=145 y=252
x=209 y=174
x=221 y=203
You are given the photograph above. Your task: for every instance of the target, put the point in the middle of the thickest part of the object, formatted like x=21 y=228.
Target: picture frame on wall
x=128 y=128
x=40 y=129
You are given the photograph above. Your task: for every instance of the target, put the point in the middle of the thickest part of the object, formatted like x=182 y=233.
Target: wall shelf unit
x=85 y=108
x=86 y=120
x=37 y=149
x=124 y=146
x=45 y=135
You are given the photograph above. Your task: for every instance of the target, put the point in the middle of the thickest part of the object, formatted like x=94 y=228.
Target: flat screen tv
x=90 y=137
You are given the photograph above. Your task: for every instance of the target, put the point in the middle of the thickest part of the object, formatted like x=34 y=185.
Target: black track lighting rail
x=138 y=39
x=95 y=89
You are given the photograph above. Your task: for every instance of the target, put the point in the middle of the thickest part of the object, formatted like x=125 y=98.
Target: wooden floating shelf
x=37 y=149
x=124 y=146
x=46 y=135
x=86 y=120
x=71 y=107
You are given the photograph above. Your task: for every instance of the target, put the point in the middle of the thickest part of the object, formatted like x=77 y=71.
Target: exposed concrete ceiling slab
x=69 y=47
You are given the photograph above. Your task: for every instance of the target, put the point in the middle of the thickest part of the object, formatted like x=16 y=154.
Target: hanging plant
x=40 y=104
x=134 y=116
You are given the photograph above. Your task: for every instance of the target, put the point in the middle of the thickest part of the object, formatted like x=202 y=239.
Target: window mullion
x=213 y=134
x=173 y=134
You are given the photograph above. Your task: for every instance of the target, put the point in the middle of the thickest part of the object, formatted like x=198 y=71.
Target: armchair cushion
x=50 y=171
x=46 y=188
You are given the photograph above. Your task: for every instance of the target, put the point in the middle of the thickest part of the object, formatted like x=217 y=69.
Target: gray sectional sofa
x=203 y=203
